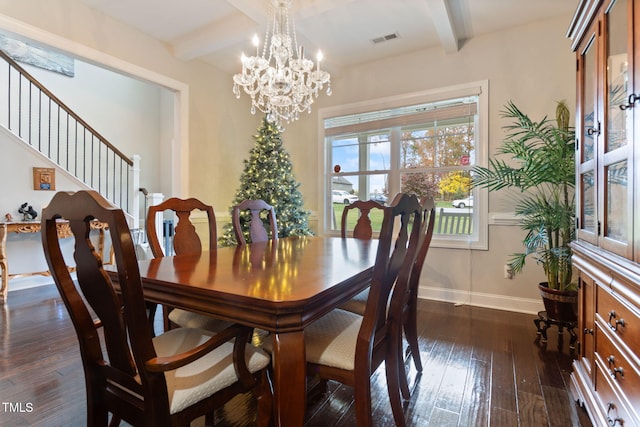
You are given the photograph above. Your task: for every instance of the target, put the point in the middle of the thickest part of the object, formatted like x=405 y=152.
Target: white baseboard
x=479 y=299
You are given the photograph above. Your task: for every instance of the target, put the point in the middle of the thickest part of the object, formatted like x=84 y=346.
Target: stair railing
x=34 y=114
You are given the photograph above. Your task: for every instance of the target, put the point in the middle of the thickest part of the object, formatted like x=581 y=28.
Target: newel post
x=134 y=179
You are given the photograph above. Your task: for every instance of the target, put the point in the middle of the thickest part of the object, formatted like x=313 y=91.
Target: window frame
x=479 y=238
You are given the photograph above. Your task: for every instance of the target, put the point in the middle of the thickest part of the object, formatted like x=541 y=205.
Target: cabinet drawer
x=613 y=408
x=619 y=318
x=617 y=367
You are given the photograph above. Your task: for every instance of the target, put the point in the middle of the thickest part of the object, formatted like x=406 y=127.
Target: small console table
x=64 y=231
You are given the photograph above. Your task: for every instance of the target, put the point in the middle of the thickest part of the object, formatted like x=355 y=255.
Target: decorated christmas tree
x=268 y=176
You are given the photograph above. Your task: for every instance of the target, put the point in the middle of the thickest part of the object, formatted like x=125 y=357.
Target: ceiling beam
x=254 y=9
x=305 y=9
x=213 y=37
x=440 y=13
x=252 y=17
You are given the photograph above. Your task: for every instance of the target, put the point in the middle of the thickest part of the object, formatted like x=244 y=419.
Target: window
x=424 y=143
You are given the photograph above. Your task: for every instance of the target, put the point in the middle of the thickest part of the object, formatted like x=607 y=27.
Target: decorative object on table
x=281 y=82
x=544 y=175
x=27 y=211
x=268 y=175
x=44 y=178
x=8 y=217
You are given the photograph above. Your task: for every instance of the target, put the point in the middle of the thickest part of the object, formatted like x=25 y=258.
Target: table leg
x=4 y=265
x=289 y=378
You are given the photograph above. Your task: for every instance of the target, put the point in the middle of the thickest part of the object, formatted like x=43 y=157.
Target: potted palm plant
x=541 y=169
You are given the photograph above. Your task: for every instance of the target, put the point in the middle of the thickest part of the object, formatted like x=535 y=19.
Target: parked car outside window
x=380 y=198
x=339 y=196
x=463 y=203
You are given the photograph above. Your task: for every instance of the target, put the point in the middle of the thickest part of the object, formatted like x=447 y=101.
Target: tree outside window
x=425 y=148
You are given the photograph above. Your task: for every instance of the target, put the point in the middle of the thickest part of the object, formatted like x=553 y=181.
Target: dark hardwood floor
x=482 y=367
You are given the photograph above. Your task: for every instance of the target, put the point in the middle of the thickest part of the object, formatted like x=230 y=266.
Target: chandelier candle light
x=280 y=84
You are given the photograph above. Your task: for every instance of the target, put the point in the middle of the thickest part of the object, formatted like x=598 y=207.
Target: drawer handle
x=615 y=371
x=613 y=421
x=588 y=331
x=618 y=322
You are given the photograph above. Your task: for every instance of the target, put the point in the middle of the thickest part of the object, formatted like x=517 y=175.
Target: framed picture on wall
x=37 y=56
x=44 y=179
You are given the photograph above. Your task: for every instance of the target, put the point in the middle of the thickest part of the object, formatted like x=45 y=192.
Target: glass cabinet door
x=587 y=133
x=615 y=217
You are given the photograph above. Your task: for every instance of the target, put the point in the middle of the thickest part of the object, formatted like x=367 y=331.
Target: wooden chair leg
x=97 y=414
x=403 y=380
x=362 y=397
x=411 y=333
x=396 y=376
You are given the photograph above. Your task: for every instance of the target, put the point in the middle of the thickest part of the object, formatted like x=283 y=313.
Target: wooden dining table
x=280 y=286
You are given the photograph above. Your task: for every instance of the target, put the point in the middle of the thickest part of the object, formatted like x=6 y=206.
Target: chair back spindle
x=259 y=229
x=363 y=228
x=185 y=239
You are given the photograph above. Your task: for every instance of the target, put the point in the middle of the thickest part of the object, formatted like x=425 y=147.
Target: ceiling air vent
x=385 y=38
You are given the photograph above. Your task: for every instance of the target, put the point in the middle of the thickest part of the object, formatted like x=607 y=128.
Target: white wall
x=125 y=111
x=532 y=65
x=24 y=251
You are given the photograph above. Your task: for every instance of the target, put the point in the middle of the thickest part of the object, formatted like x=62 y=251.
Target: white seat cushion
x=330 y=340
x=189 y=319
x=358 y=303
x=207 y=375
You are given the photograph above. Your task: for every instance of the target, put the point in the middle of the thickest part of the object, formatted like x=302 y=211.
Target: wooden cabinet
x=606 y=375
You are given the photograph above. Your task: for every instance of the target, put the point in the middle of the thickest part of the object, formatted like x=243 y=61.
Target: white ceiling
x=218 y=31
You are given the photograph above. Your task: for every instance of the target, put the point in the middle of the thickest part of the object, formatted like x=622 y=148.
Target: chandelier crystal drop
x=281 y=82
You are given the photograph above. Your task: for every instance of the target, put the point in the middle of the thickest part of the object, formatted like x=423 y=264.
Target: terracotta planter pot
x=561 y=306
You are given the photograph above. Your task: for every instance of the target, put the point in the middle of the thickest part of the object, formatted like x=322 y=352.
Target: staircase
x=38 y=118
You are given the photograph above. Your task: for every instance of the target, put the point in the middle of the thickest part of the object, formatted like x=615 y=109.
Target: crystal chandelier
x=281 y=82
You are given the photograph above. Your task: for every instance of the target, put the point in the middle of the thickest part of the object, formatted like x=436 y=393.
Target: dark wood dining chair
x=168 y=380
x=362 y=228
x=358 y=303
x=410 y=301
x=347 y=347
x=186 y=240
x=249 y=211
